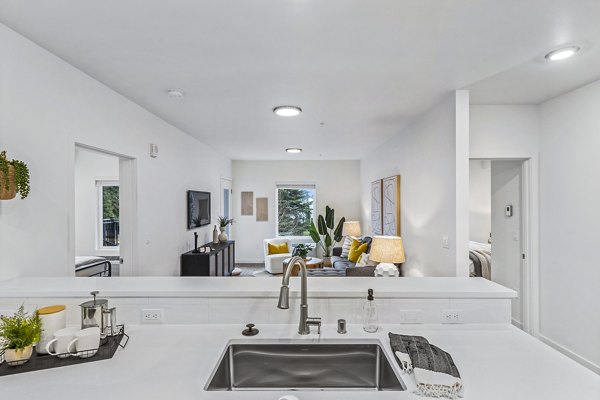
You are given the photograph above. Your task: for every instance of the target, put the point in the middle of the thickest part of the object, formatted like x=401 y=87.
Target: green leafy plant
x=20 y=330
x=224 y=221
x=21 y=175
x=302 y=250
x=326 y=233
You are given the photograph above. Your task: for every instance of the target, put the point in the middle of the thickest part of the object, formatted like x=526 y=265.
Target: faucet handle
x=314 y=321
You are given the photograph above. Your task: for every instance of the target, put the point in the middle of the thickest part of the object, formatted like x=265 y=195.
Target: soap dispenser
x=370 y=317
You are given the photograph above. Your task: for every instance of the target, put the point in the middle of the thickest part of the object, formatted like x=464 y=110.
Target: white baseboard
x=574 y=356
x=518 y=324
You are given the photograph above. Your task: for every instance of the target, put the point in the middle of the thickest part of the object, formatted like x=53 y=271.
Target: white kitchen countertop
x=428 y=287
x=174 y=362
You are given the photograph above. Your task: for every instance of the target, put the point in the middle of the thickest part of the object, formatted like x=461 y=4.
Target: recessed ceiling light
x=563 y=53
x=294 y=150
x=287 y=111
x=175 y=93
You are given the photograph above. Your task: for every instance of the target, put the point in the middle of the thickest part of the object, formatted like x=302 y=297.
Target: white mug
x=86 y=342
x=62 y=338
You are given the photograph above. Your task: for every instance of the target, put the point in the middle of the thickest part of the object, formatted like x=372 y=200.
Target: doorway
x=498 y=232
x=103 y=219
x=226 y=198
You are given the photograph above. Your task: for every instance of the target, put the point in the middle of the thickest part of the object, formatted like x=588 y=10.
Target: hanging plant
x=14 y=178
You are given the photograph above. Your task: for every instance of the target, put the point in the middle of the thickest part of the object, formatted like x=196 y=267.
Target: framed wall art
x=376 y=207
x=262 y=209
x=247 y=203
x=391 y=206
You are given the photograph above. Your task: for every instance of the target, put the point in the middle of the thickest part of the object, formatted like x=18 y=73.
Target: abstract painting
x=391 y=206
x=376 y=216
x=262 y=209
x=247 y=203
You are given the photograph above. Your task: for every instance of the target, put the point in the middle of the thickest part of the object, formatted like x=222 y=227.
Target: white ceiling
x=364 y=68
x=537 y=80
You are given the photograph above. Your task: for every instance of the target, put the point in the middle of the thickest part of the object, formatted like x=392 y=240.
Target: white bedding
x=483 y=252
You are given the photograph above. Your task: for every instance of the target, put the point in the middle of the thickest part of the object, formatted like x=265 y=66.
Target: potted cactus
x=14 y=178
x=19 y=333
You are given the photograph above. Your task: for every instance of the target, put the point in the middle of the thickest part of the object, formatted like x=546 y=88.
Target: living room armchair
x=274 y=262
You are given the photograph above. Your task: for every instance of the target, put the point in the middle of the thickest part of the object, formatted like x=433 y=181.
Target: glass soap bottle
x=370 y=317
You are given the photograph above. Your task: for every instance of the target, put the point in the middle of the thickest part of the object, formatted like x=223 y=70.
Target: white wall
x=424 y=155
x=90 y=166
x=570 y=219
x=506 y=231
x=512 y=132
x=337 y=182
x=504 y=131
x=46 y=106
x=480 y=200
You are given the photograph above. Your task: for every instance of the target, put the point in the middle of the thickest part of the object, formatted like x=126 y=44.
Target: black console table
x=219 y=261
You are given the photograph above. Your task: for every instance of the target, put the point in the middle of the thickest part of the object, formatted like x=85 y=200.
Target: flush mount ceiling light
x=175 y=93
x=287 y=111
x=294 y=150
x=562 y=53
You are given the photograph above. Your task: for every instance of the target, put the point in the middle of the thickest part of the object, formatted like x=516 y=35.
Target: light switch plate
x=445 y=242
x=413 y=316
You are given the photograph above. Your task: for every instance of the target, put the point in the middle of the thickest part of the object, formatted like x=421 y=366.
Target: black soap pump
x=370 y=317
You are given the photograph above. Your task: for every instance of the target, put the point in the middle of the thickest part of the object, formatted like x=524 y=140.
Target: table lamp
x=387 y=250
x=352 y=229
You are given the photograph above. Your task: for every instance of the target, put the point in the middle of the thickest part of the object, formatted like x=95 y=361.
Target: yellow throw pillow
x=356 y=249
x=278 y=248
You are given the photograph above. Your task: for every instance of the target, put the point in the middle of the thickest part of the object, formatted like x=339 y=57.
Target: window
x=295 y=209
x=108 y=214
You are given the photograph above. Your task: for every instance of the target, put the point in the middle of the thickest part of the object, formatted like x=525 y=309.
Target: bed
x=480 y=258
x=92 y=266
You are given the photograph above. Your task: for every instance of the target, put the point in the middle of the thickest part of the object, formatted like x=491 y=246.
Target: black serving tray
x=39 y=362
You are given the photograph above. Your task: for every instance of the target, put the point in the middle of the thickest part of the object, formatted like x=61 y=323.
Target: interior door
x=507 y=243
x=128 y=217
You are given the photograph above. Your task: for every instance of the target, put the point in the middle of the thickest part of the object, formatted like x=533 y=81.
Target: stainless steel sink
x=304 y=366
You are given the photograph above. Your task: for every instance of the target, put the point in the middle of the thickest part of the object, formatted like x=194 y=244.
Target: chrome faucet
x=284 y=297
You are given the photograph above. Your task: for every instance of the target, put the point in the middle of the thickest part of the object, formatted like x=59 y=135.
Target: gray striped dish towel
x=434 y=370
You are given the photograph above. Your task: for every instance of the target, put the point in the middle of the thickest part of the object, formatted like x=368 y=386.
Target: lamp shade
x=387 y=249
x=351 y=228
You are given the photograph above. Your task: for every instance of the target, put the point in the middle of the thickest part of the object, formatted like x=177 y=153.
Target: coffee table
x=312 y=262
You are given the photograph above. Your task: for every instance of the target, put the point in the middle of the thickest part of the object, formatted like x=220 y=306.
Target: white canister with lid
x=53 y=319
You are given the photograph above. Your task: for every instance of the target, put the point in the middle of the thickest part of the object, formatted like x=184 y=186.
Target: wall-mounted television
x=198 y=204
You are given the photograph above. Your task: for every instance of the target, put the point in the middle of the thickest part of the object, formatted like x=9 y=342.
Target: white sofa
x=274 y=262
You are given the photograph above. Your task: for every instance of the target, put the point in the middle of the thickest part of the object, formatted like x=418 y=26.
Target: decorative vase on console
x=215 y=236
x=223 y=235
x=223 y=222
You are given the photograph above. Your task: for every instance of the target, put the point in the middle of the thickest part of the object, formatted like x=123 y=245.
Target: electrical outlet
x=152 y=316
x=452 y=316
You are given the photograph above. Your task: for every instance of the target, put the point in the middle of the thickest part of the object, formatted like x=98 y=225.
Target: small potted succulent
x=302 y=250
x=14 y=178
x=19 y=333
x=223 y=222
